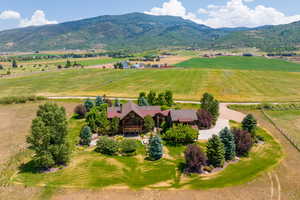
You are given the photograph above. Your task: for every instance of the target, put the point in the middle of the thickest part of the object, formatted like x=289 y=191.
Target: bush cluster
x=110 y=146
x=180 y=134
x=21 y=99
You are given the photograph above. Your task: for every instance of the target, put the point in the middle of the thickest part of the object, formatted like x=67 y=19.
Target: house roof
x=142 y=111
x=183 y=115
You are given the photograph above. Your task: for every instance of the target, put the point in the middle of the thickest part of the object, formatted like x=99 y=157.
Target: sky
x=213 y=13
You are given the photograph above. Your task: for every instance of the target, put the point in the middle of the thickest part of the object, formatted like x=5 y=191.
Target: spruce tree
x=14 y=64
x=227 y=138
x=249 y=124
x=117 y=103
x=143 y=102
x=215 y=151
x=85 y=135
x=88 y=104
x=155 y=148
x=99 y=101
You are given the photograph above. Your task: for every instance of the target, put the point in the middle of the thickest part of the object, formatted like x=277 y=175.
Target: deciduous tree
x=148 y=123
x=195 y=159
x=205 y=119
x=243 y=142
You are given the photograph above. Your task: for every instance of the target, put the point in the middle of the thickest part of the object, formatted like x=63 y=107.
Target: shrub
x=85 y=135
x=227 y=138
x=195 y=159
x=243 y=142
x=106 y=145
x=155 y=148
x=148 y=123
x=128 y=147
x=164 y=107
x=80 y=110
x=215 y=151
x=205 y=119
x=249 y=124
x=180 y=134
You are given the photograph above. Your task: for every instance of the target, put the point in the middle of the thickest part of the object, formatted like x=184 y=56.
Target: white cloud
x=235 y=13
x=38 y=18
x=9 y=14
x=174 y=8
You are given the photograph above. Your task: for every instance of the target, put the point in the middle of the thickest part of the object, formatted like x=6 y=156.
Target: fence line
x=287 y=136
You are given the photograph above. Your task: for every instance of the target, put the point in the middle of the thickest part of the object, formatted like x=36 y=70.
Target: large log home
x=132 y=116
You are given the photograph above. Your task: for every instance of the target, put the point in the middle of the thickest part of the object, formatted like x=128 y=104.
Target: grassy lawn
x=89 y=169
x=241 y=63
x=186 y=84
x=289 y=121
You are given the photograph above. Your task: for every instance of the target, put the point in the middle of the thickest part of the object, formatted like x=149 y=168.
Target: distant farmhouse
x=132 y=117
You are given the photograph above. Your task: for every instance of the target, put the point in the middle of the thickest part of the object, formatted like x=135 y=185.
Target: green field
x=241 y=63
x=288 y=121
x=89 y=169
x=189 y=84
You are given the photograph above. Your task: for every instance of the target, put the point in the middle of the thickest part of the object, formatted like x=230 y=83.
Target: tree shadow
x=181 y=167
x=30 y=167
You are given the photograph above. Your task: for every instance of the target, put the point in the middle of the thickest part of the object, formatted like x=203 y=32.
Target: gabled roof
x=130 y=107
x=183 y=115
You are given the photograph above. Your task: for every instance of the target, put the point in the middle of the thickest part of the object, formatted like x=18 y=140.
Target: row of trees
x=223 y=147
x=162 y=99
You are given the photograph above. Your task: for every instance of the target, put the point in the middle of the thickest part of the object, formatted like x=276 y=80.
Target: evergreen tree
x=169 y=98
x=68 y=64
x=249 y=124
x=194 y=158
x=99 y=101
x=155 y=148
x=143 y=102
x=228 y=140
x=148 y=123
x=215 y=151
x=151 y=97
x=117 y=103
x=14 y=64
x=161 y=99
x=1 y=67
x=49 y=136
x=88 y=104
x=209 y=103
x=85 y=135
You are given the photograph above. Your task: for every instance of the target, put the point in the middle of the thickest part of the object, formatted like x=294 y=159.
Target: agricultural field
x=186 y=84
x=288 y=121
x=241 y=63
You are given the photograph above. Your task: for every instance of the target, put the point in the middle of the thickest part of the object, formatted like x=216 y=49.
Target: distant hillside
x=140 y=31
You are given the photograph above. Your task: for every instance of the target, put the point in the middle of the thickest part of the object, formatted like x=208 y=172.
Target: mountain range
x=141 y=32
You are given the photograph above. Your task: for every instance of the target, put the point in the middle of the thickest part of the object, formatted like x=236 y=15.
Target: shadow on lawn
x=30 y=167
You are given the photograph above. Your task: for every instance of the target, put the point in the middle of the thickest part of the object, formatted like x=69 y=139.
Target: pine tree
x=194 y=158
x=88 y=104
x=249 y=124
x=143 y=102
x=155 y=148
x=85 y=135
x=215 y=151
x=99 y=101
x=228 y=140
